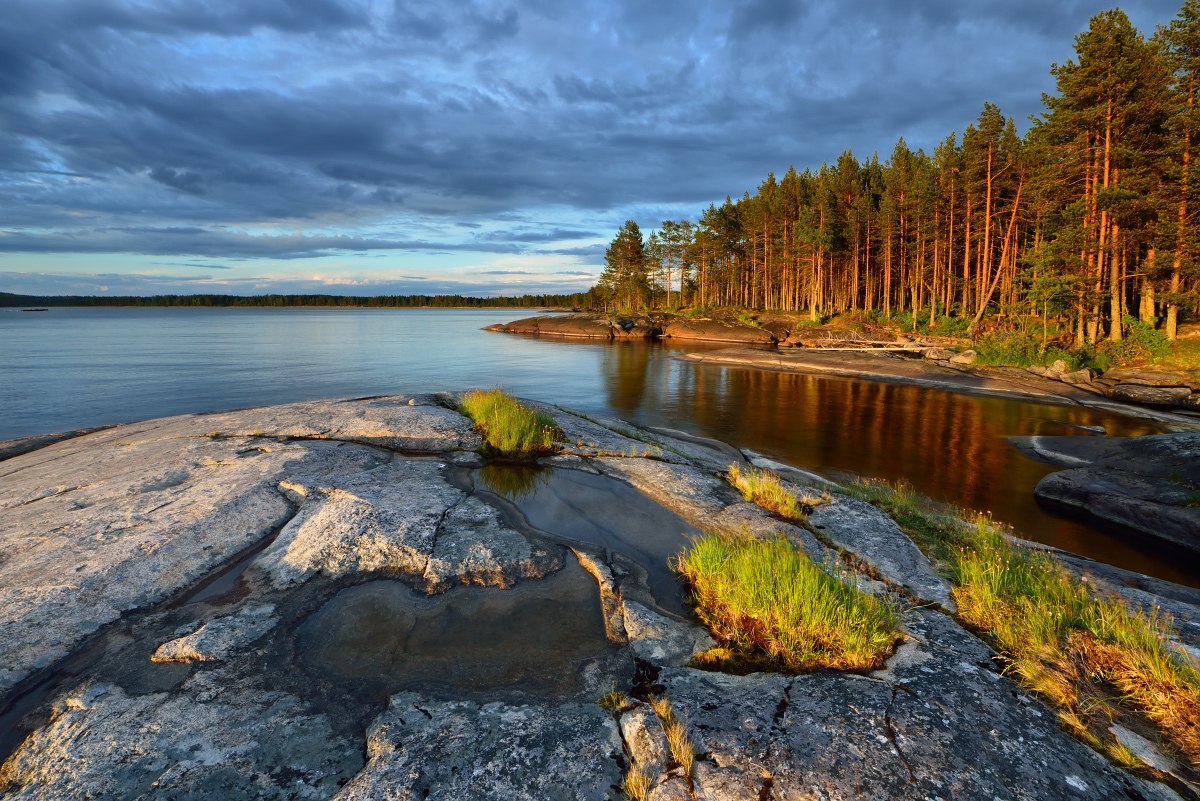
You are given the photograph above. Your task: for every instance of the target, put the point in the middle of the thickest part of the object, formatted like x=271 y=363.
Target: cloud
x=300 y=128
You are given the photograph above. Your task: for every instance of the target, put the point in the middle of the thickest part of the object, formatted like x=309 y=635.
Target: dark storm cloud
x=175 y=127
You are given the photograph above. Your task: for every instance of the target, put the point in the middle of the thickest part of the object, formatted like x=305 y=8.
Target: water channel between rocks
x=381 y=637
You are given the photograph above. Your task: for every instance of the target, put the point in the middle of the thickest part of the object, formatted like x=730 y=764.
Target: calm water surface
x=69 y=368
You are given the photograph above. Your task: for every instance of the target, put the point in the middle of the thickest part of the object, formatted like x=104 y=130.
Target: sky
x=365 y=147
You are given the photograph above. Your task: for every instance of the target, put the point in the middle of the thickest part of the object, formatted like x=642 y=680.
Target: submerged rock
x=219 y=637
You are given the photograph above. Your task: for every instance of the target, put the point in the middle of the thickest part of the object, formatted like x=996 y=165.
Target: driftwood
x=871 y=349
x=859 y=344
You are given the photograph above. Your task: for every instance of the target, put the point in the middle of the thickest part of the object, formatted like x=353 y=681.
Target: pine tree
x=626 y=273
x=1182 y=40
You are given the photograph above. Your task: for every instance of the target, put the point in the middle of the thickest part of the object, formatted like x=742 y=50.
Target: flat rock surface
x=454 y=750
x=874 y=537
x=202 y=742
x=397 y=617
x=219 y=637
x=97 y=525
x=941 y=722
x=359 y=522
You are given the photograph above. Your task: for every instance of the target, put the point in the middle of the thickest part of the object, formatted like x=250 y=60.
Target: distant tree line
x=280 y=301
x=1091 y=217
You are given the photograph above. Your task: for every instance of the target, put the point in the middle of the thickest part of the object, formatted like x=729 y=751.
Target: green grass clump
x=614 y=702
x=1094 y=658
x=509 y=427
x=1090 y=656
x=764 y=488
x=768 y=604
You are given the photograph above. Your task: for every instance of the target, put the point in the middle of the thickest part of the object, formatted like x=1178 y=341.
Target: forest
x=231 y=301
x=1088 y=220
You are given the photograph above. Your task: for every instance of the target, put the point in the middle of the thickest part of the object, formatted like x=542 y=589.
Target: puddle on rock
x=579 y=506
x=383 y=637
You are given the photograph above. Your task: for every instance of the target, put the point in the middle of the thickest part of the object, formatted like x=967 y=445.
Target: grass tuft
x=1095 y=659
x=765 y=489
x=1090 y=656
x=508 y=426
x=637 y=784
x=678 y=742
x=614 y=701
x=768 y=604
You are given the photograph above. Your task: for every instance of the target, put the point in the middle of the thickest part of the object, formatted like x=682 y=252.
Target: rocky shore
x=343 y=599
x=1148 y=484
x=779 y=343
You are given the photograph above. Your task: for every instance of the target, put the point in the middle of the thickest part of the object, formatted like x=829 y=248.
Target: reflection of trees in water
x=513 y=481
x=626 y=368
x=950 y=446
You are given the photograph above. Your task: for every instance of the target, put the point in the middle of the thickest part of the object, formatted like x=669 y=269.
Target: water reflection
x=513 y=482
x=80 y=367
x=949 y=446
x=382 y=637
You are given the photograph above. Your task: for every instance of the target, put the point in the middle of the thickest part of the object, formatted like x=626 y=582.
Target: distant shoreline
x=292 y=300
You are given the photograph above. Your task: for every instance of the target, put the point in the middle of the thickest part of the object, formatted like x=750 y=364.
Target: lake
x=72 y=368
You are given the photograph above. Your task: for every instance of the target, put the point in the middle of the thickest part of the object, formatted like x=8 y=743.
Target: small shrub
x=950 y=327
x=1008 y=348
x=1142 y=343
x=768 y=603
x=746 y=319
x=509 y=427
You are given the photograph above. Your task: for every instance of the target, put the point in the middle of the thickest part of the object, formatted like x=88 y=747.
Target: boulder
x=1151 y=395
x=966 y=357
x=1083 y=376
x=591 y=326
x=938 y=354
x=717 y=331
x=635 y=328
x=1057 y=368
